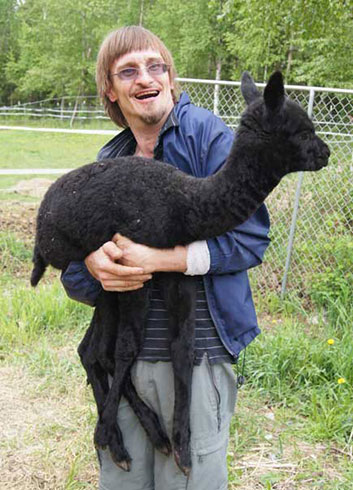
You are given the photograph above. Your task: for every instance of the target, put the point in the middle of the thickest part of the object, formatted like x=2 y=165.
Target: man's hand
x=114 y=276
x=149 y=258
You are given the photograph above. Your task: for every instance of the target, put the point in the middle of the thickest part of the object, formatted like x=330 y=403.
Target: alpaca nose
x=324 y=149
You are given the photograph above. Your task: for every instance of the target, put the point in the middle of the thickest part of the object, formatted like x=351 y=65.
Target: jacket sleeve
x=79 y=284
x=243 y=247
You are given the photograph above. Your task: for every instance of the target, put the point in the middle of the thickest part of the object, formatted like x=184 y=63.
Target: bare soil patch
x=36 y=187
x=19 y=218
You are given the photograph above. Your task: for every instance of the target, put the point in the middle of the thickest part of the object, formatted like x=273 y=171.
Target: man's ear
x=111 y=95
x=274 y=92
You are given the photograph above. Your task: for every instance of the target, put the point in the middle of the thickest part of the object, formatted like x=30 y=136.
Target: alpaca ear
x=248 y=88
x=274 y=92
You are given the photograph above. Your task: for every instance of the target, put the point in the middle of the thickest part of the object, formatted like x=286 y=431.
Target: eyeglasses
x=154 y=70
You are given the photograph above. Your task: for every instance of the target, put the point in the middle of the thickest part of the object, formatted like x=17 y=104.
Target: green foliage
x=58 y=46
x=49 y=48
x=307 y=40
x=8 y=44
x=332 y=287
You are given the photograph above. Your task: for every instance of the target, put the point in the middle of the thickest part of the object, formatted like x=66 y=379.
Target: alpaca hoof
x=166 y=449
x=183 y=461
x=163 y=444
x=124 y=465
x=118 y=453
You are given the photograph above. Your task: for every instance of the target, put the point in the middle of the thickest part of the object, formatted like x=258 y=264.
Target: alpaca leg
x=105 y=340
x=147 y=417
x=133 y=307
x=95 y=349
x=101 y=330
x=180 y=301
x=105 y=334
x=96 y=376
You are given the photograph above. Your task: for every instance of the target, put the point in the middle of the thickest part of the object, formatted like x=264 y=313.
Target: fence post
x=62 y=109
x=295 y=209
x=216 y=100
x=217 y=89
x=74 y=112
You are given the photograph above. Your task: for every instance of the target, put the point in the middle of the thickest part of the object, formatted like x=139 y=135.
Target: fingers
x=121 y=286
x=114 y=283
x=110 y=282
x=122 y=270
x=101 y=262
x=117 y=237
x=107 y=276
x=114 y=276
x=110 y=249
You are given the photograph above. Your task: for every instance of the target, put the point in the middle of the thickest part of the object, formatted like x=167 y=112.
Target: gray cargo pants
x=213 y=402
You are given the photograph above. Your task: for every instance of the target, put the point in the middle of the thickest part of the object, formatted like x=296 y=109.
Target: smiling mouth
x=147 y=95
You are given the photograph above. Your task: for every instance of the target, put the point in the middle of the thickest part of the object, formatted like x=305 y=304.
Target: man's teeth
x=147 y=95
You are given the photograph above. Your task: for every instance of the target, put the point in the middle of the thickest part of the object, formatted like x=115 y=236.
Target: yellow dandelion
x=330 y=341
x=340 y=381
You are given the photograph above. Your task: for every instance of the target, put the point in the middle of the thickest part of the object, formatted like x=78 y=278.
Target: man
x=136 y=79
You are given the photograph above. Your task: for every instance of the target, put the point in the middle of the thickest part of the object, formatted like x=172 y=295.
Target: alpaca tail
x=39 y=267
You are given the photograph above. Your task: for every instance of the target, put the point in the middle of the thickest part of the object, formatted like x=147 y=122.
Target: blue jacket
x=198 y=143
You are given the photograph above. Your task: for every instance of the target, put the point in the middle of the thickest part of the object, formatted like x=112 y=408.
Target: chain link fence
x=311 y=213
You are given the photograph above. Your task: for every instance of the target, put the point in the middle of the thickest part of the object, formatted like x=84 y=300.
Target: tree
x=308 y=40
x=58 y=44
x=8 y=44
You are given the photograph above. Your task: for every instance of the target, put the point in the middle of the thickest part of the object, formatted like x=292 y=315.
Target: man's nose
x=143 y=75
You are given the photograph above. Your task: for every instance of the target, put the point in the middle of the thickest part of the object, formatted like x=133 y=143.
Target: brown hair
x=116 y=44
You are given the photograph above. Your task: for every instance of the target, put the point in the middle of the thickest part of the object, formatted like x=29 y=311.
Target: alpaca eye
x=305 y=135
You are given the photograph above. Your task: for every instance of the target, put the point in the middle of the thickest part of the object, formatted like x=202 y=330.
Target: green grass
x=293 y=427
x=27 y=149
x=38 y=122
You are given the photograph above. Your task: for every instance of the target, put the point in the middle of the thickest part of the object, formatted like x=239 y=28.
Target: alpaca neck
x=233 y=194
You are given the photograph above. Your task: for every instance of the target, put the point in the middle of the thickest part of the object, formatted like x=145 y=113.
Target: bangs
x=134 y=38
x=140 y=39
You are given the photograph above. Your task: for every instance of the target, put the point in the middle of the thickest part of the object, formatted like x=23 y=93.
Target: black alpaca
x=155 y=204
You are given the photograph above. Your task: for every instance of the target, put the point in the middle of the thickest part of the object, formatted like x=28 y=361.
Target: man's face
x=147 y=99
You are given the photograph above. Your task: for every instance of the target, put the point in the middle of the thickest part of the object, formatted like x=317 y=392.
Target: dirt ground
x=36 y=187
x=19 y=218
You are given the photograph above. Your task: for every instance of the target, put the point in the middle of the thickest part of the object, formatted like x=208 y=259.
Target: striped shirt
x=207 y=341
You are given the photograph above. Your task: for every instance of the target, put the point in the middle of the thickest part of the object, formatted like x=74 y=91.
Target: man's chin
x=152 y=119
